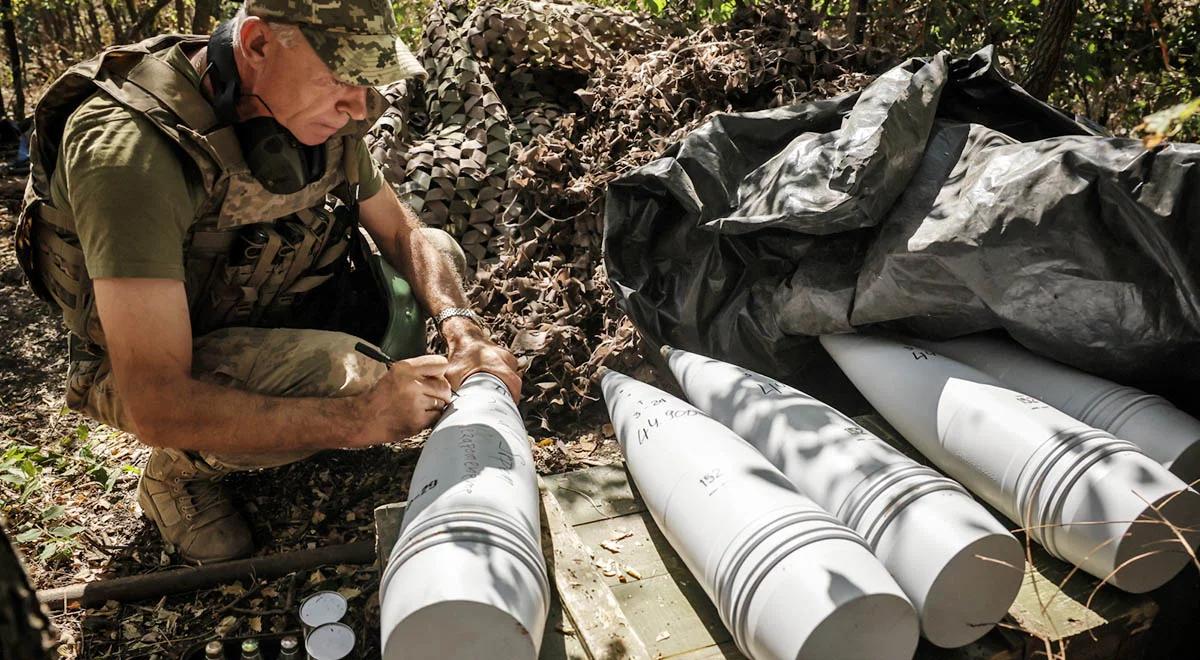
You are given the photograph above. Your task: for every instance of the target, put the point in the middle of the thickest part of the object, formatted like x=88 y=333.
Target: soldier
x=194 y=208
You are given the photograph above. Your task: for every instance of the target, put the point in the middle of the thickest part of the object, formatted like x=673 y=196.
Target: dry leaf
x=235 y=589
x=226 y=626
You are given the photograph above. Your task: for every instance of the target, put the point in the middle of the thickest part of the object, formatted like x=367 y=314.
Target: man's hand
x=470 y=351
x=149 y=337
x=407 y=400
x=437 y=285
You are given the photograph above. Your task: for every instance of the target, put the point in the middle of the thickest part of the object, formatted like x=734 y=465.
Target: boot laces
x=205 y=494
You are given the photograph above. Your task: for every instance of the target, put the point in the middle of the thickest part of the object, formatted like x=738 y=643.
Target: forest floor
x=67 y=489
x=67 y=492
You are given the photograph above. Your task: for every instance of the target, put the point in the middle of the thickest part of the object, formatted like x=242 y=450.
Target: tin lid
x=331 y=641
x=214 y=649
x=322 y=607
x=288 y=643
x=249 y=645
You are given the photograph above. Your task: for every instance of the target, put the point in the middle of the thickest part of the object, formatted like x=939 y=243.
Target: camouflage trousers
x=272 y=361
x=281 y=362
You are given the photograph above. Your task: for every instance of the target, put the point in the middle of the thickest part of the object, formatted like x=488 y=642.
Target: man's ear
x=254 y=35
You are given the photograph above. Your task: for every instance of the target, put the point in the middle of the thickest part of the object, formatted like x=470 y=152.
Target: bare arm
x=149 y=337
x=436 y=285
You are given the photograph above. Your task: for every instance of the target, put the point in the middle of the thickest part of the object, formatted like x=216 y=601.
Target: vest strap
x=173 y=91
x=56 y=218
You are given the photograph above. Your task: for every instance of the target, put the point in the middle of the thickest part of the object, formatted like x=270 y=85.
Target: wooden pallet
x=642 y=602
x=672 y=617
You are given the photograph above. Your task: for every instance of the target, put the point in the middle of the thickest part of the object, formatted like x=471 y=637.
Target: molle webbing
x=302 y=243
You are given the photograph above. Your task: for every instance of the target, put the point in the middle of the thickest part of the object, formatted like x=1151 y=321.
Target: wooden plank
x=646 y=550
x=672 y=614
x=723 y=651
x=1053 y=607
x=668 y=599
x=560 y=641
x=665 y=598
x=595 y=616
x=594 y=494
x=388 y=518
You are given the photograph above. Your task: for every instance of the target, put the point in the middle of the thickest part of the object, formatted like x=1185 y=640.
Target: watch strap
x=451 y=312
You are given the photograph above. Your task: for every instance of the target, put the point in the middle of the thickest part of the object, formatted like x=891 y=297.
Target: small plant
x=20 y=469
x=27 y=477
x=87 y=462
x=59 y=542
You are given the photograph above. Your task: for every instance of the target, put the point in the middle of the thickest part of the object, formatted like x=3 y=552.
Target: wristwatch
x=457 y=311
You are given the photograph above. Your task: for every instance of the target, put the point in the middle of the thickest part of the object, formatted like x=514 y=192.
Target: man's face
x=303 y=94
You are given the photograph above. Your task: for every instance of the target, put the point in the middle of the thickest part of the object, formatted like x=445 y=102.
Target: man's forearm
x=437 y=285
x=199 y=416
x=432 y=277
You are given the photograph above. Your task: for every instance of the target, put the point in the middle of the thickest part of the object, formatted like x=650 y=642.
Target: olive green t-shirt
x=133 y=192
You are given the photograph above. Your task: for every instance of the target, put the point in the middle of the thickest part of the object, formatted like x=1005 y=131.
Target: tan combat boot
x=193 y=513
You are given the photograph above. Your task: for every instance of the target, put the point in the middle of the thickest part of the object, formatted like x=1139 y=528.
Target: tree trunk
x=114 y=19
x=94 y=23
x=1057 y=27
x=14 y=59
x=180 y=17
x=144 y=24
x=72 y=31
x=856 y=21
x=64 y=34
x=202 y=19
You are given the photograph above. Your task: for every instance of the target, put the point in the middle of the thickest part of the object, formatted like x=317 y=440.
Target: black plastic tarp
x=940 y=200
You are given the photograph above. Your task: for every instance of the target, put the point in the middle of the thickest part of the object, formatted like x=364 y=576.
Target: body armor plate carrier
x=251 y=256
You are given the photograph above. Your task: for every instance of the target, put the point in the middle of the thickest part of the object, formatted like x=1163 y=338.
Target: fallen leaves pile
x=531 y=108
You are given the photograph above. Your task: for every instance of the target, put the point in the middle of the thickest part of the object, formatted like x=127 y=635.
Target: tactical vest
x=250 y=257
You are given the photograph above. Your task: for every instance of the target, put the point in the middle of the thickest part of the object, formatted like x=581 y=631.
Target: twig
x=585 y=496
x=245 y=594
x=252 y=612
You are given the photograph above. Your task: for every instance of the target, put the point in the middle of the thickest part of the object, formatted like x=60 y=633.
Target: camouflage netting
x=530 y=109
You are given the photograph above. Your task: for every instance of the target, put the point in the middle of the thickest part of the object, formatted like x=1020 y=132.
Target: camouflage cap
x=358 y=39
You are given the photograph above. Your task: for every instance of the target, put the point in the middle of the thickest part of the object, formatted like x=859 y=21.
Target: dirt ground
x=67 y=492
x=67 y=488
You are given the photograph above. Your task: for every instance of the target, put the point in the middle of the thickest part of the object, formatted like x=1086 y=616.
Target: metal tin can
x=330 y=641
x=322 y=607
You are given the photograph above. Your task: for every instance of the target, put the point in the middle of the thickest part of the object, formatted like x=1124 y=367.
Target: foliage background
x=1124 y=58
